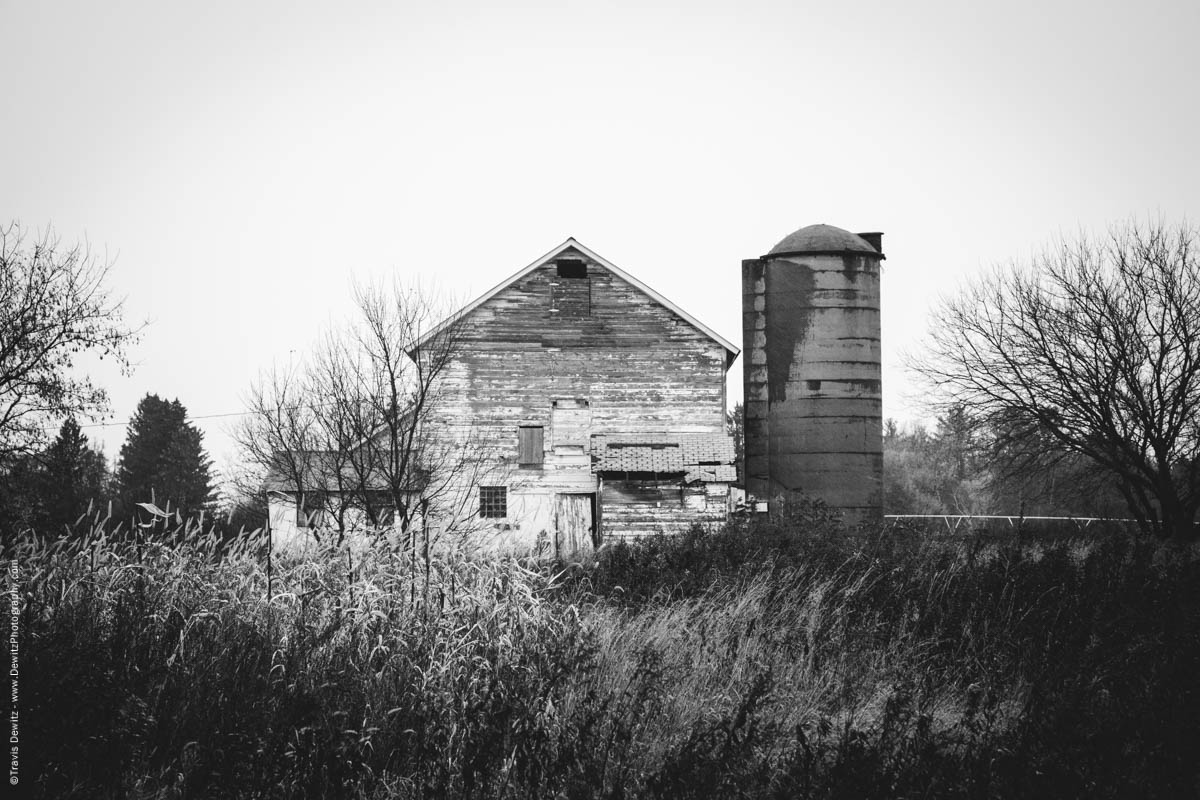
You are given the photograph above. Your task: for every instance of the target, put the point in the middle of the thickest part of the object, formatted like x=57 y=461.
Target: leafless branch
x=1095 y=344
x=54 y=305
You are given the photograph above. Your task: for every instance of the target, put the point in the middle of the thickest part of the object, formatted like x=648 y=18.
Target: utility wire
x=50 y=428
x=186 y=419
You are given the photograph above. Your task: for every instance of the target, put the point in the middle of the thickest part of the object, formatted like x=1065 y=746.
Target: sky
x=241 y=163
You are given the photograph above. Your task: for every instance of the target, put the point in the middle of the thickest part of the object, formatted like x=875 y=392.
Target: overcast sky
x=240 y=162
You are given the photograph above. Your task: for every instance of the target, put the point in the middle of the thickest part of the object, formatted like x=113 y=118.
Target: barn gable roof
x=731 y=351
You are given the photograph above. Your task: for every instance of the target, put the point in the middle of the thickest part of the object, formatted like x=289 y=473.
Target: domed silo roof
x=822 y=239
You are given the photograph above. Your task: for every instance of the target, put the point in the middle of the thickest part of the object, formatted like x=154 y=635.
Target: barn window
x=493 y=501
x=571 y=268
x=644 y=492
x=530 y=447
x=380 y=507
x=310 y=510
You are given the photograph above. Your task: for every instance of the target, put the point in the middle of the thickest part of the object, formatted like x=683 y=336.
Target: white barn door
x=573 y=527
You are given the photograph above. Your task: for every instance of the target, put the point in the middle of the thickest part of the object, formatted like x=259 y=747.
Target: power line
x=186 y=419
x=48 y=427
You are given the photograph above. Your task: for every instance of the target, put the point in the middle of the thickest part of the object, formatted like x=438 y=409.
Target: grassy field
x=781 y=658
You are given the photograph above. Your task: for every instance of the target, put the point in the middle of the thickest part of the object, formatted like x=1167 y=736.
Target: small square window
x=493 y=502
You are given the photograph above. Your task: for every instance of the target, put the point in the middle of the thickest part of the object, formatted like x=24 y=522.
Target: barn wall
x=286 y=535
x=281 y=514
x=633 y=365
x=641 y=367
x=637 y=508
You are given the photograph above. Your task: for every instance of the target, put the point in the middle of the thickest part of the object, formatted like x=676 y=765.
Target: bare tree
x=1034 y=474
x=355 y=428
x=53 y=306
x=407 y=346
x=1096 y=345
x=281 y=435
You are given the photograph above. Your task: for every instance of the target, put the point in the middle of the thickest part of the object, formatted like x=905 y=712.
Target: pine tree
x=18 y=498
x=70 y=479
x=163 y=460
x=48 y=491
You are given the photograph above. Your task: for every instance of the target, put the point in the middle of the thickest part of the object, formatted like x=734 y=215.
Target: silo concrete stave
x=812 y=376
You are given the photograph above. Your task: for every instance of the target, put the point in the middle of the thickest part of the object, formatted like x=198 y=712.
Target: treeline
x=970 y=465
x=162 y=476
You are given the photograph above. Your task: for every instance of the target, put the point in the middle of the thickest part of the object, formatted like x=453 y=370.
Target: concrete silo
x=812 y=379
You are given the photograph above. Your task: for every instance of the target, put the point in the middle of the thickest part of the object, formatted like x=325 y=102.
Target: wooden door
x=573 y=523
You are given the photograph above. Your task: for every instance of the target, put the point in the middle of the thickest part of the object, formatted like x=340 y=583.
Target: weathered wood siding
x=639 y=365
x=635 y=508
x=579 y=359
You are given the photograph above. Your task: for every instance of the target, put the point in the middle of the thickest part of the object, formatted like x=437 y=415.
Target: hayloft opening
x=571 y=268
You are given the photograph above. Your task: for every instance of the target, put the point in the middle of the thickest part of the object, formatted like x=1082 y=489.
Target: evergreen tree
x=163 y=460
x=49 y=491
x=71 y=477
x=18 y=499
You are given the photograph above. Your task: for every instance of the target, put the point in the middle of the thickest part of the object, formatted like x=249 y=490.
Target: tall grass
x=777 y=658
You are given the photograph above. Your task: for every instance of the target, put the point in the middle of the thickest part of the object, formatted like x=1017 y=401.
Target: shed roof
x=731 y=350
x=705 y=457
